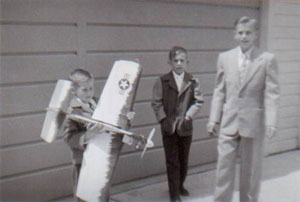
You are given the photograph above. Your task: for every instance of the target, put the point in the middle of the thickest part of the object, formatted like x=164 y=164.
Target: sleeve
x=198 y=100
x=219 y=94
x=157 y=101
x=72 y=133
x=272 y=93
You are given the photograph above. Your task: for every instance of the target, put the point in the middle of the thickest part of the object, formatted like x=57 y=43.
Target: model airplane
x=115 y=102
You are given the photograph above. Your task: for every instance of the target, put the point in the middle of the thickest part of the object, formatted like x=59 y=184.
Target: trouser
x=76 y=171
x=250 y=168
x=177 y=150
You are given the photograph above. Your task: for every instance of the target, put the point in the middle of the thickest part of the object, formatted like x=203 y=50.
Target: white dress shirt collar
x=178 y=79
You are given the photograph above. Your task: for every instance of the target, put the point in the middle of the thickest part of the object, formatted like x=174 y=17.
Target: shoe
x=184 y=192
x=177 y=199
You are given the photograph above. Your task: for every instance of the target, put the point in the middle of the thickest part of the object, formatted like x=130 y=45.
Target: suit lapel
x=253 y=66
x=185 y=83
x=172 y=82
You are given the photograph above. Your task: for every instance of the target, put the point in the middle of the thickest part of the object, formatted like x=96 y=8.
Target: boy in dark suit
x=176 y=100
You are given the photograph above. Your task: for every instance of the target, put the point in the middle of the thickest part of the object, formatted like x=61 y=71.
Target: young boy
x=82 y=104
x=176 y=100
x=77 y=134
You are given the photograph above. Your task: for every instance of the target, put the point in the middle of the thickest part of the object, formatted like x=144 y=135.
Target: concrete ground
x=281 y=183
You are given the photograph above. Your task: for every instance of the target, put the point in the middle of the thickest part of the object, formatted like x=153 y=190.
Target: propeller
x=149 y=141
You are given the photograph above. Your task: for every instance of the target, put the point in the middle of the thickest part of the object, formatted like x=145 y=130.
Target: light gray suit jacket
x=250 y=106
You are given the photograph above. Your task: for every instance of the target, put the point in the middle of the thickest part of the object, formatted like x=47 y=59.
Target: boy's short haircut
x=176 y=50
x=80 y=75
x=246 y=20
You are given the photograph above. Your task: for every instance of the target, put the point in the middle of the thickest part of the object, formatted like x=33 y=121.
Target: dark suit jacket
x=73 y=130
x=172 y=106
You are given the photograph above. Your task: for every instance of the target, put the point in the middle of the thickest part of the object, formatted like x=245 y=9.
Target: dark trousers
x=76 y=171
x=177 y=149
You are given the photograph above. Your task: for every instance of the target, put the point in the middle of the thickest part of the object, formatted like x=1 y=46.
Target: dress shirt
x=178 y=80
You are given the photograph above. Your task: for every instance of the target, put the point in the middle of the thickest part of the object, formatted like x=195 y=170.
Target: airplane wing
x=106 y=126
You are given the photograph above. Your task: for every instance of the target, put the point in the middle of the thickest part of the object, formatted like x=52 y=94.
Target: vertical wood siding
x=42 y=41
x=284 y=40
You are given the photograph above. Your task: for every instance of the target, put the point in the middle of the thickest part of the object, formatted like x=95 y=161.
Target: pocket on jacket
x=166 y=125
x=185 y=126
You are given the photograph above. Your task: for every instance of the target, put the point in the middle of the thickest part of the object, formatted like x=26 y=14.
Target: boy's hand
x=130 y=115
x=96 y=127
x=82 y=142
x=211 y=128
x=149 y=144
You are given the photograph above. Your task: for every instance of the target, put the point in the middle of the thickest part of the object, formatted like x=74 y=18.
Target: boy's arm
x=198 y=100
x=73 y=131
x=219 y=94
x=156 y=103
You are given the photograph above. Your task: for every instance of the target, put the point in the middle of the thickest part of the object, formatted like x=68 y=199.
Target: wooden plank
x=286 y=44
x=289 y=89
x=144 y=92
x=148 y=38
x=283 y=145
x=24 y=38
x=167 y=13
x=290 y=55
x=286 y=7
x=22 y=129
x=285 y=134
x=39 y=186
x=37 y=10
x=289 y=100
x=285 y=32
x=286 y=20
x=153 y=63
x=29 y=158
x=199 y=133
x=35 y=98
x=289 y=78
x=290 y=122
x=252 y=3
x=286 y=112
x=145 y=115
x=13 y=130
x=130 y=12
x=289 y=66
x=19 y=69
x=201 y=152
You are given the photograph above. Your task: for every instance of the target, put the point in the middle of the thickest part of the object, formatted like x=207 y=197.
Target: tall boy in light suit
x=245 y=101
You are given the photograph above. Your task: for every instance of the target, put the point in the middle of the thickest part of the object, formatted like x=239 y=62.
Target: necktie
x=243 y=68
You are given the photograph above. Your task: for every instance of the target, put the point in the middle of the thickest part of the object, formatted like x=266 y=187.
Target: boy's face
x=85 y=91
x=245 y=35
x=179 y=63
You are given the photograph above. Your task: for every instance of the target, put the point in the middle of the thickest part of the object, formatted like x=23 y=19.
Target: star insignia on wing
x=124 y=84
